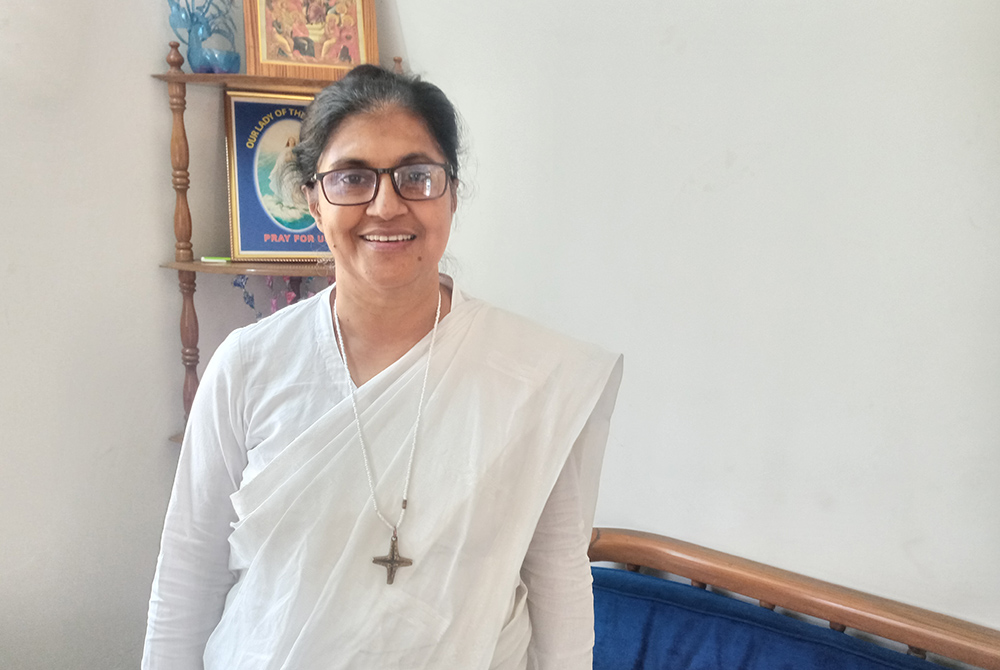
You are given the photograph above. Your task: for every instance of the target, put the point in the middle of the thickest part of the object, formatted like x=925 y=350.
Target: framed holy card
x=269 y=217
x=309 y=39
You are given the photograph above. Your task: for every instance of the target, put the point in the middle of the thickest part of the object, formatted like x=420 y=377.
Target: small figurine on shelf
x=201 y=22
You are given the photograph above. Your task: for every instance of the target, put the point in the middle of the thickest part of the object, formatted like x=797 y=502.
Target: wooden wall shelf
x=184 y=258
x=254 y=269
x=245 y=82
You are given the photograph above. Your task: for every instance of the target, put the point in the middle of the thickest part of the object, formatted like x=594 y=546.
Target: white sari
x=507 y=403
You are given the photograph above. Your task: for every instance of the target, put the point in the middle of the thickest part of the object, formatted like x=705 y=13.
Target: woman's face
x=418 y=230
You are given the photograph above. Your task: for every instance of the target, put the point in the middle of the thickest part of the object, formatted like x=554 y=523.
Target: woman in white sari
x=391 y=474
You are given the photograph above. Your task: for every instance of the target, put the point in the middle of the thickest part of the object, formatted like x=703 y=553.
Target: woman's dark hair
x=366 y=89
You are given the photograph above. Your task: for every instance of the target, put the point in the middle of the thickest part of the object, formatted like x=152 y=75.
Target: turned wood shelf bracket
x=179 y=160
x=184 y=259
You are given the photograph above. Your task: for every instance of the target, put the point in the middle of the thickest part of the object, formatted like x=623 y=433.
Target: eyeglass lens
x=354 y=186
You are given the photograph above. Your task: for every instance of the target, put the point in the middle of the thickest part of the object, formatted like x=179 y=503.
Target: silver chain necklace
x=393 y=559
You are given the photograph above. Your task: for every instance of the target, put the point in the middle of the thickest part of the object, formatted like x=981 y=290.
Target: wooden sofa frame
x=921 y=630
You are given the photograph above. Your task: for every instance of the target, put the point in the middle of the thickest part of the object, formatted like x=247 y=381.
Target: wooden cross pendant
x=393 y=560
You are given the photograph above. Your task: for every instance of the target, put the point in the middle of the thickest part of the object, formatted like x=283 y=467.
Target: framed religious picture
x=309 y=39
x=269 y=217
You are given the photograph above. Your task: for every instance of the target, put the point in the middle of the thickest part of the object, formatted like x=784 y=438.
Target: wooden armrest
x=918 y=628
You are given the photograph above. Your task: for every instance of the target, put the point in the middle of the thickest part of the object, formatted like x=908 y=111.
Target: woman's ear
x=454 y=194
x=309 y=191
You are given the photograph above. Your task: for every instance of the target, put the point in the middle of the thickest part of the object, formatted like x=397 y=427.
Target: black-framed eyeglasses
x=359 y=186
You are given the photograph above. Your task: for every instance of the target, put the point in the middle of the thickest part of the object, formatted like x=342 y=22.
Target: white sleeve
x=556 y=569
x=192 y=573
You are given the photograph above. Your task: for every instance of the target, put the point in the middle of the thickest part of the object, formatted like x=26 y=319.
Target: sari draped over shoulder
x=506 y=402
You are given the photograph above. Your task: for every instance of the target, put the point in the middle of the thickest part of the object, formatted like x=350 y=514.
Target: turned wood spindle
x=179 y=159
x=397 y=65
x=189 y=338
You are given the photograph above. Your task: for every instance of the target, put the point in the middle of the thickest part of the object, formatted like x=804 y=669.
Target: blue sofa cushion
x=647 y=623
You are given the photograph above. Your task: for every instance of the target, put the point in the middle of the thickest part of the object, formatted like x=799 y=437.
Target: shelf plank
x=246 y=82
x=256 y=269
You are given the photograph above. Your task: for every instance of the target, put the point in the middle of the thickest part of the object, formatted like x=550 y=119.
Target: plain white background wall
x=785 y=215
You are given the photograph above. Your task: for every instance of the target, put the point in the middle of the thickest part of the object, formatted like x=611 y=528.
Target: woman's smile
x=388 y=238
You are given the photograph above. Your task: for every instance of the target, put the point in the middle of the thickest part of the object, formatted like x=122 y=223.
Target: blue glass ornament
x=200 y=23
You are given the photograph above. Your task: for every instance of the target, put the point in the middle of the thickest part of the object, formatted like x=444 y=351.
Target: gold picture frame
x=269 y=218
x=309 y=39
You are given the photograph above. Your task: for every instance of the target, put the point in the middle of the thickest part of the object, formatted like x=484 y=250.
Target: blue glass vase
x=208 y=22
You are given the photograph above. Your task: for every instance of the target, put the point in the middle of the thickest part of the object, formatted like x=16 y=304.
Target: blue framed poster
x=269 y=218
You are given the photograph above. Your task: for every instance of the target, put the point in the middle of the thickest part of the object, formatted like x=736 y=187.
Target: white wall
x=784 y=215
x=787 y=216
x=90 y=368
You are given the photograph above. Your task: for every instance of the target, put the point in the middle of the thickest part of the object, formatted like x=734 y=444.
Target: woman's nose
x=387 y=203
